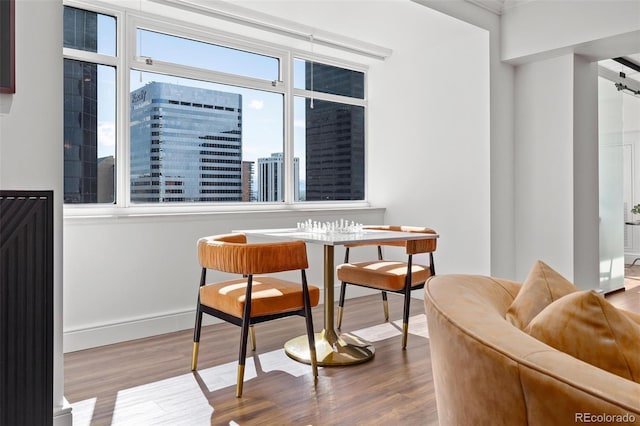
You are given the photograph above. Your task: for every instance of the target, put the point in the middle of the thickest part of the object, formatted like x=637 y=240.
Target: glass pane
x=183 y=51
x=90 y=31
x=89 y=132
x=329 y=140
x=328 y=79
x=194 y=141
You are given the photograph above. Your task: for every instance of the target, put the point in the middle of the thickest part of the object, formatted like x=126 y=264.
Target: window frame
x=126 y=60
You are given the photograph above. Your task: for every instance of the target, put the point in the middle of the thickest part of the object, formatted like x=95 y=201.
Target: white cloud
x=256 y=104
x=106 y=139
x=299 y=123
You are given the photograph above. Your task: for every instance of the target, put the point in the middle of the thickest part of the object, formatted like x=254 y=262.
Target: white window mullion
x=289 y=150
x=167 y=68
x=329 y=97
x=127 y=35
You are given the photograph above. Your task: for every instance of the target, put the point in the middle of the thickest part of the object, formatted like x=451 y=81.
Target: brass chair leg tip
x=194 y=356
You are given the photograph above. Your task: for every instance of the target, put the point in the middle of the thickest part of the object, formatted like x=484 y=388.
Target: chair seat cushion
x=269 y=295
x=383 y=275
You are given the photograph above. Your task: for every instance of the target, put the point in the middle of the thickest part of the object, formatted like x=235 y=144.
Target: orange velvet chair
x=390 y=276
x=253 y=299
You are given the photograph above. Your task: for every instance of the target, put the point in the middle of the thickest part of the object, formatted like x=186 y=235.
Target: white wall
x=132 y=277
x=431 y=134
x=611 y=185
x=501 y=110
x=31 y=139
x=543 y=165
x=586 y=242
x=556 y=168
x=137 y=276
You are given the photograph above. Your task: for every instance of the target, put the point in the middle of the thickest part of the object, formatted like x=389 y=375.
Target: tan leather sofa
x=488 y=372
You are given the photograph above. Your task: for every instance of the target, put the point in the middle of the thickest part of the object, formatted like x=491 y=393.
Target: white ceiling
x=631 y=76
x=497 y=6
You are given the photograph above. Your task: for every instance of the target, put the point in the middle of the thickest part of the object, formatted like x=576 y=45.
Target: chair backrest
x=231 y=253
x=411 y=246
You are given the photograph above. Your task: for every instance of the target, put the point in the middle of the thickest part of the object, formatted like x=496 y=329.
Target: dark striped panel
x=26 y=308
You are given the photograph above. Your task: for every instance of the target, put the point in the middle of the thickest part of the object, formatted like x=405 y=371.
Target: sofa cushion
x=586 y=326
x=542 y=286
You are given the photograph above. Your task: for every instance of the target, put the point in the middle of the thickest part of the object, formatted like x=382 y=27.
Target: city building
x=106 y=169
x=270 y=178
x=186 y=144
x=80 y=112
x=335 y=165
x=248 y=189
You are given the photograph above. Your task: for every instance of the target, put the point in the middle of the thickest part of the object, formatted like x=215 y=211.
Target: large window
x=206 y=119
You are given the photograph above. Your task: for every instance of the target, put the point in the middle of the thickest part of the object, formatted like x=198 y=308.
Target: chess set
x=341 y=226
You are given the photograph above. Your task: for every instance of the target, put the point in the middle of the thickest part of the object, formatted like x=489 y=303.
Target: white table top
x=337 y=239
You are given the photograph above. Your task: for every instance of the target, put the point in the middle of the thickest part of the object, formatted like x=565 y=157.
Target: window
x=207 y=117
x=89 y=109
x=211 y=133
x=193 y=53
x=330 y=133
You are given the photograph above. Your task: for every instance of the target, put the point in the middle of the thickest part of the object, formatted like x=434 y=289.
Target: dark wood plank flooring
x=149 y=382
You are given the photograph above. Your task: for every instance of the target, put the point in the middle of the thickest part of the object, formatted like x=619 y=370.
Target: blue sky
x=263 y=120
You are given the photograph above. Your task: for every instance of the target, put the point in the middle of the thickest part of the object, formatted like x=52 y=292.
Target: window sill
x=100 y=213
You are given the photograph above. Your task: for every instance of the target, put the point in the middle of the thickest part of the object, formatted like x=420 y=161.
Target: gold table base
x=331 y=349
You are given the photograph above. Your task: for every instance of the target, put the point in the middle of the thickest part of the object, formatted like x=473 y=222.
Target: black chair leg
x=246 y=322
x=309 y=321
x=198 y=324
x=196 y=338
x=242 y=356
x=343 y=288
x=405 y=316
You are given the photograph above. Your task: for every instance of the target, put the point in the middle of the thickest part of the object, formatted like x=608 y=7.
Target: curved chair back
x=231 y=253
x=411 y=246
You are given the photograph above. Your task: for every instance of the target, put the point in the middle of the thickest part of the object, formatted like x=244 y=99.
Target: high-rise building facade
x=80 y=110
x=271 y=175
x=248 y=190
x=186 y=144
x=334 y=137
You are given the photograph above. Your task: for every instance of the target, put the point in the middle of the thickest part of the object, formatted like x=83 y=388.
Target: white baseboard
x=138 y=328
x=106 y=334
x=63 y=416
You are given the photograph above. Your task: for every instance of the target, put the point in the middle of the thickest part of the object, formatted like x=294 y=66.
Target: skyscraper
x=334 y=136
x=270 y=178
x=186 y=144
x=80 y=110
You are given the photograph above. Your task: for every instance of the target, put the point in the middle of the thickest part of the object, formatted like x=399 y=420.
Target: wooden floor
x=630 y=298
x=149 y=382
